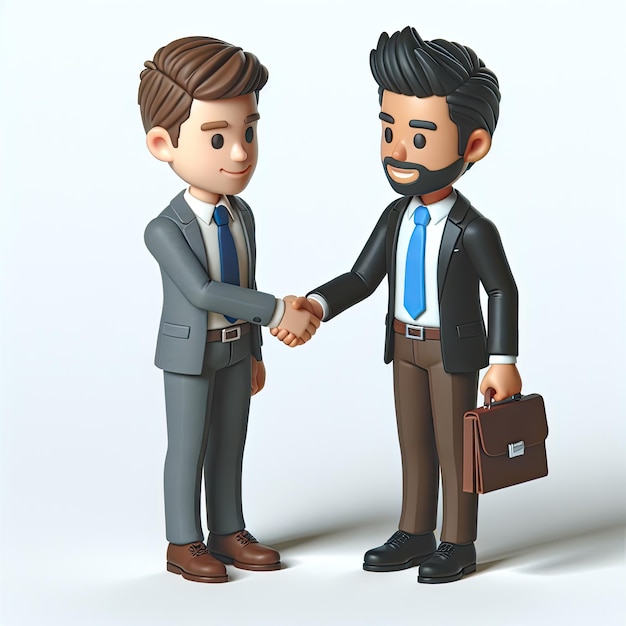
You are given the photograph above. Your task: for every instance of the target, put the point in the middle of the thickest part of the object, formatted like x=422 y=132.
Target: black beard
x=427 y=181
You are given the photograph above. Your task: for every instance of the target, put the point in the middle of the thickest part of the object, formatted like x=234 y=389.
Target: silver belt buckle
x=231 y=334
x=410 y=328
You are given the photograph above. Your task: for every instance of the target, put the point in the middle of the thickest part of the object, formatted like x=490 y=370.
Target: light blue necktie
x=228 y=253
x=414 y=287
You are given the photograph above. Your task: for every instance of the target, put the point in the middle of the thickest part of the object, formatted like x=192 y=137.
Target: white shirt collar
x=438 y=210
x=204 y=210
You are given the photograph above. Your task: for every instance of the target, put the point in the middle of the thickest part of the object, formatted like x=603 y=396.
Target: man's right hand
x=300 y=321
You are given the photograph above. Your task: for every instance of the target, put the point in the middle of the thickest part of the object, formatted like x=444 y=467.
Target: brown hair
x=200 y=68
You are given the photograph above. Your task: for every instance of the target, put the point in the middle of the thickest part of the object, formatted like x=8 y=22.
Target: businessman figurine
x=198 y=100
x=439 y=108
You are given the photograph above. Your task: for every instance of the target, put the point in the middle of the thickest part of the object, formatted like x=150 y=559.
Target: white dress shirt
x=208 y=228
x=434 y=232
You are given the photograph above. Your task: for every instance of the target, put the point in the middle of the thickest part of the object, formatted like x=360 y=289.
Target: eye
x=249 y=134
x=419 y=141
x=217 y=141
x=388 y=135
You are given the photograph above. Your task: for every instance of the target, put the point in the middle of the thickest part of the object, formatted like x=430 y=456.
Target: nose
x=238 y=153
x=399 y=151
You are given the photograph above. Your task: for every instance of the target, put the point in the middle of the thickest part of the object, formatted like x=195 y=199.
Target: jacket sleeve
x=362 y=280
x=484 y=248
x=168 y=246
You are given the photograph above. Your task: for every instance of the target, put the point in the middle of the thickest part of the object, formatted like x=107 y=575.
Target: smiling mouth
x=402 y=175
x=236 y=173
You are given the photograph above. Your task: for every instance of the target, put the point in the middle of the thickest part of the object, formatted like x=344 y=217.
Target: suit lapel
x=190 y=228
x=451 y=233
x=393 y=232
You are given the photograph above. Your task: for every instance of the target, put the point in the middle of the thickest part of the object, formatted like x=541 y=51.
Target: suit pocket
x=473 y=329
x=176 y=330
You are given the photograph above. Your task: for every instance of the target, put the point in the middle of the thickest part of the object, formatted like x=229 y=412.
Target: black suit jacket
x=471 y=253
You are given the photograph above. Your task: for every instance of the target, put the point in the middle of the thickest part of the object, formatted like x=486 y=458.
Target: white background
x=83 y=426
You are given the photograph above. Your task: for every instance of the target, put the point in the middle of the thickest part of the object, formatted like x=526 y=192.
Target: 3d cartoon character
x=198 y=100
x=439 y=108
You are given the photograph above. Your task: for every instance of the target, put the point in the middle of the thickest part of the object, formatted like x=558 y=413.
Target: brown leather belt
x=226 y=335
x=413 y=331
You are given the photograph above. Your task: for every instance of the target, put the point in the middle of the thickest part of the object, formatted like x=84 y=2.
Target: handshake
x=301 y=319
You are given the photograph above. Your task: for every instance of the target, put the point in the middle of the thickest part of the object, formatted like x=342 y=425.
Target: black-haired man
x=439 y=108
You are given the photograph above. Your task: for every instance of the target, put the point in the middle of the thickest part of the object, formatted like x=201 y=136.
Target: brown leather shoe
x=193 y=562
x=242 y=550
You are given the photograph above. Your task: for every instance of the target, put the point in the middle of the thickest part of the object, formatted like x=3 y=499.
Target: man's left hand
x=504 y=379
x=258 y=376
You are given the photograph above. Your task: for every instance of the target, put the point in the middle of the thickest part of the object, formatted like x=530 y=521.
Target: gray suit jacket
x=471 y=253
x=175 y=241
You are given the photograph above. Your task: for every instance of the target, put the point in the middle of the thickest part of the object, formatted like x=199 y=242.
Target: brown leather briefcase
x=504 y=443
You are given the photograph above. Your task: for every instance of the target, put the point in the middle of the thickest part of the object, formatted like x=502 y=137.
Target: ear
x=160 y=144
x=478 y=146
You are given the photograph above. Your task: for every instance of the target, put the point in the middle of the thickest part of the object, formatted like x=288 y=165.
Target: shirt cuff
x=279 y=311
x=502 y=359
x=320 y=300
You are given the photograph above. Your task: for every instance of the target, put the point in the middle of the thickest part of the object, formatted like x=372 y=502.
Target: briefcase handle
x=489 y=401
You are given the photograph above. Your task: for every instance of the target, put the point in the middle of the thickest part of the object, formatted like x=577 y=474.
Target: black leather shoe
x=450 y=562
x=401 y=551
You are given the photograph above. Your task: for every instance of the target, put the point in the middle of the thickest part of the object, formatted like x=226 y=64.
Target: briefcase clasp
x=516 y=449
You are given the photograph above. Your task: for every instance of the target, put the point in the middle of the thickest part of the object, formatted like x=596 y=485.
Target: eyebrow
x=253 y=117
x=385 y=117
x=213 y=125
x=422 y=124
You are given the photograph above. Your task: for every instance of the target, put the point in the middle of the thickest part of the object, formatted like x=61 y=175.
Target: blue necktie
x=414 y=288
x=228 y=253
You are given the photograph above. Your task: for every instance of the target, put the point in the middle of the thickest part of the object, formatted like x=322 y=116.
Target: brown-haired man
x=198 y=100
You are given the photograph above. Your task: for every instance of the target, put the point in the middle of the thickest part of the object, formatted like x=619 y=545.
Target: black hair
x=406 y=64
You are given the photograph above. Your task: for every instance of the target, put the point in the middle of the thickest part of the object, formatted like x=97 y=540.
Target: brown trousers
x=430 y=404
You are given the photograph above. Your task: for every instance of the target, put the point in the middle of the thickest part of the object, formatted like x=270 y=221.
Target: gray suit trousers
x=207 y=420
